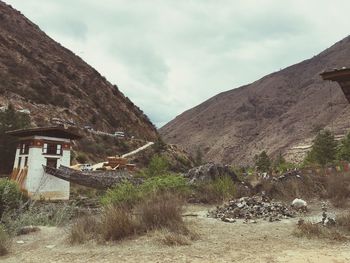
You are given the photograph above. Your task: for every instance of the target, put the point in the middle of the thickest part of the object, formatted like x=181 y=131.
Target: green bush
x=166 y=183
x=215 y=191
x=157 y=167
x=10 y=196
x=125 y=193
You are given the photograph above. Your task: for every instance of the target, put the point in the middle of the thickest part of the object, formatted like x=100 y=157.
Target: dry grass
x=163 y=211
x=159 y=211
x=338 y=189
x=118 y=223
x=317 y=230
x=169 y=238
x=5 y=242
x=83 y=229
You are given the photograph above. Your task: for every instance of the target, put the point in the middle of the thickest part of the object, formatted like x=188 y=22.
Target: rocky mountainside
x=38 y=74
x=280 y=113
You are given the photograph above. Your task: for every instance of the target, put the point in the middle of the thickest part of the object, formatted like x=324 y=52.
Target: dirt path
x=219 y=242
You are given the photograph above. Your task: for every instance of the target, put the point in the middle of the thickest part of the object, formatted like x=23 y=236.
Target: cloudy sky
x=170 y=55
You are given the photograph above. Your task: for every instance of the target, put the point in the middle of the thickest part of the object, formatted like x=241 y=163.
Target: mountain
x=280 y=113
x=39 y=75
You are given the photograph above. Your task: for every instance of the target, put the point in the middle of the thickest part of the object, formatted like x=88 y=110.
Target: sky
x=168 y=56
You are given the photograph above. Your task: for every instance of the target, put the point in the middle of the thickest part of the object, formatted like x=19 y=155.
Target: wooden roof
x=57 y=132
x=342 y=76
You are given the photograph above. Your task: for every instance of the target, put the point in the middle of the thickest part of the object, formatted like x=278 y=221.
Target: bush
x=167 y=183
x=125 y=193
x=117 y=223
x=83 y=229
x=10 y=196
x=161 y=211
x=215 y=191
x=4 y=241
x=158 y=166
x=128 y=195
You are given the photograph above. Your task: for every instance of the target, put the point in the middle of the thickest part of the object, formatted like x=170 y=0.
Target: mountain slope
x=276 y=113
x=38 y=74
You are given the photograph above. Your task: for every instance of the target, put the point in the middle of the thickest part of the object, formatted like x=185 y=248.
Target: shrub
x=161 y=211
x=125 y=193
x=167 y=183
x=117 y=222
x=4 y=241
x=10 y=196
x=215 y=191
x=84 y=229
x=158 y=166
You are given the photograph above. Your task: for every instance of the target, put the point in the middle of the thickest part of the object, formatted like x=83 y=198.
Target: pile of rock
x=251 y=208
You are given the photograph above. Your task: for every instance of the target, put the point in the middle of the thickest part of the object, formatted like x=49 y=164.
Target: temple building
x=49 y=146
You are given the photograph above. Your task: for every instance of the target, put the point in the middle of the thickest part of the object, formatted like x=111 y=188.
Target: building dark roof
x=342 y=76
x=57 y=132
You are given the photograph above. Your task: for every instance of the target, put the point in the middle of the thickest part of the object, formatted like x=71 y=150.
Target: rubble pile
x=251 y=208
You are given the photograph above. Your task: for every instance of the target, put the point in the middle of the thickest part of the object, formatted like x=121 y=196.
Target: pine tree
x=262 y=162
x=343 y=151
x=323 y=150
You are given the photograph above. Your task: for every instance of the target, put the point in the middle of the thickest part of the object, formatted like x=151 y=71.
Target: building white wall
x=39 y=184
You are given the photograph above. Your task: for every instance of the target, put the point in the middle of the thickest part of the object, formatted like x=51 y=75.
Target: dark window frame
x=52 y=148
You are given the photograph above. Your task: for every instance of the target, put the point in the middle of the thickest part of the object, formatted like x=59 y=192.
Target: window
x=24 y=148
x=51 y=162
x=52 y=148
x=26 y=161
x=19 y=162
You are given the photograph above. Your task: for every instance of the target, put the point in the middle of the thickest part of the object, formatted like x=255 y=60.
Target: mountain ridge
x=39 y=74
x=275 y=113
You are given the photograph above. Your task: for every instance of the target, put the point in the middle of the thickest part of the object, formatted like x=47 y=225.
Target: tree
x=262 y=162
x=343 y=151
x=323 y=150
x=10 y=120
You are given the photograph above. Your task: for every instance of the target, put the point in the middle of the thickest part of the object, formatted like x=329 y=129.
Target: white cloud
x=168 y=56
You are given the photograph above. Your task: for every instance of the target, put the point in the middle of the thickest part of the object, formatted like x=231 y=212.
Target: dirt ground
x=219 y=242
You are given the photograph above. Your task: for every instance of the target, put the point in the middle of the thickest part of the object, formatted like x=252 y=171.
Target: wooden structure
x=118 y=163
x=342 y=76
x=49 y=146
x=95 y=179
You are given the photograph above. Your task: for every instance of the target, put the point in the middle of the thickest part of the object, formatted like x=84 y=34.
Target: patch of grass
x=169 y=238
x=317 y=230
x=38 y=214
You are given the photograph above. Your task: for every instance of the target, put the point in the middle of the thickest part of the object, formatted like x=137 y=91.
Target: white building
x=48 y=146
